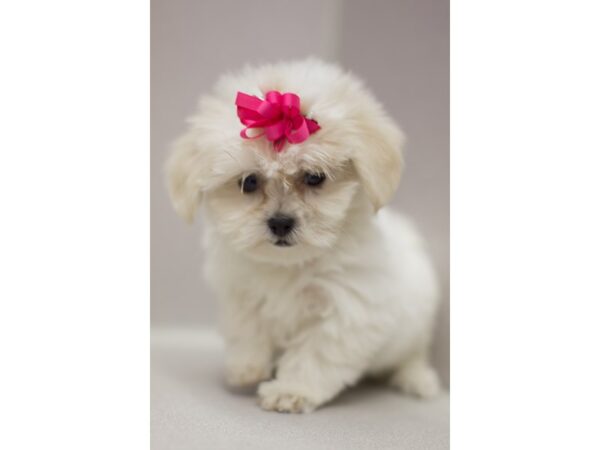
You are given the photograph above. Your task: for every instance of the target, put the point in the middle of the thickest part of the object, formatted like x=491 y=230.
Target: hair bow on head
x=278 y=115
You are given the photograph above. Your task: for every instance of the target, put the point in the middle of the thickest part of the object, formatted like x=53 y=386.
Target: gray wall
x=400 y=48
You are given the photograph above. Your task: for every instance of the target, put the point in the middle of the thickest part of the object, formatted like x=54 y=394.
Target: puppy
x=318 y=286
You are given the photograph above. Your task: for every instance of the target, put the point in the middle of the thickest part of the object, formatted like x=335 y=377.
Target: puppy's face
x=290 y=206
x=283 y=208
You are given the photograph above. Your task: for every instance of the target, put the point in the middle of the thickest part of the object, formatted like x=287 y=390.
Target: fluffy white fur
x=355 y=295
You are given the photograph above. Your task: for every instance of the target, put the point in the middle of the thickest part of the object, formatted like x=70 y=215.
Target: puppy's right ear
x=183 y=176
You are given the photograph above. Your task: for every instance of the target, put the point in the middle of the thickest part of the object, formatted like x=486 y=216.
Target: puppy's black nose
x=281 y=225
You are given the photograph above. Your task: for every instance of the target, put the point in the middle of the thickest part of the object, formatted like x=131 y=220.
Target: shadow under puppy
x=318 y=285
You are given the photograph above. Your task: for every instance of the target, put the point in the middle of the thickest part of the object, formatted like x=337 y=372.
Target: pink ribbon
x=278 y=115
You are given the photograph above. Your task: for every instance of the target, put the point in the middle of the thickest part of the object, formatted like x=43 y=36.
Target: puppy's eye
x=248 y=184
x=313 y=179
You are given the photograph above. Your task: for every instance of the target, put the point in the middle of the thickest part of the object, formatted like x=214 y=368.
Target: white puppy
x=318 y=285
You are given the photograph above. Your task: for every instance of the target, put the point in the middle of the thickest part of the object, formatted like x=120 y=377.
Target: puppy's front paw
x=244 y=375
x=275 y=396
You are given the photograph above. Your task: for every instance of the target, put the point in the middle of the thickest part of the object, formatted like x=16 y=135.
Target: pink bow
x=278 y=115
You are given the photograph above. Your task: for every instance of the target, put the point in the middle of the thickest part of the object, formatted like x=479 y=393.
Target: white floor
x=192 y=409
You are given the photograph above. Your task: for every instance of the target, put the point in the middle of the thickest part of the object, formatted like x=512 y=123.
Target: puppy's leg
x=249 y=351
x=330 y=357
x=248 y=362
x=416 y=377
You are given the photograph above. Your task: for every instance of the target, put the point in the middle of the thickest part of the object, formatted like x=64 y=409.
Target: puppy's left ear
x=378 y=156
x=185 y=175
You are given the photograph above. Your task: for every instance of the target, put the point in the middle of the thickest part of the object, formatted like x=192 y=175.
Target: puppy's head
x=288 y=206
